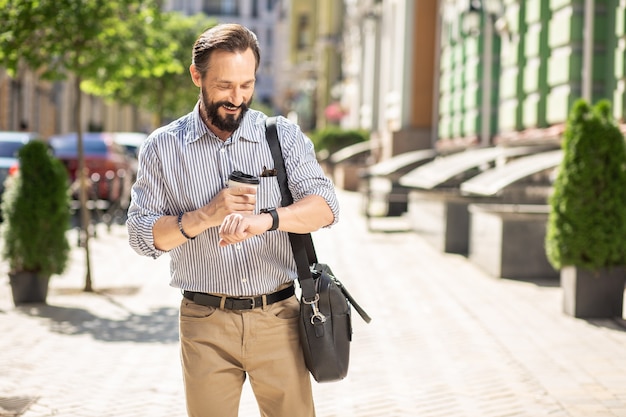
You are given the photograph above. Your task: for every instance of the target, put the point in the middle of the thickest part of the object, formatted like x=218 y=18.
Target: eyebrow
x=232 y=82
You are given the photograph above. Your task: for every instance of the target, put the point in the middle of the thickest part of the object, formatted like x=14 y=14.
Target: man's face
x=226 y=89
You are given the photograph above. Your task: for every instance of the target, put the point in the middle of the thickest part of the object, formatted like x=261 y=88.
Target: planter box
x=347 y=176
x=593 y=294
x=347 y=164
x=507 y=240
x=442 y=218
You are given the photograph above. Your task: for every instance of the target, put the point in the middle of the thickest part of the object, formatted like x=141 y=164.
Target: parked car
x=131 y=142
x=10 y=144
x=108 y=167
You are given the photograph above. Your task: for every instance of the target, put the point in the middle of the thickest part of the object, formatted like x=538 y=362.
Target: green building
x=510 y=70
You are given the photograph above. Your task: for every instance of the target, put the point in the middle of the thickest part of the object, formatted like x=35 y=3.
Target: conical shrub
x=36 y=213
x=587 y=221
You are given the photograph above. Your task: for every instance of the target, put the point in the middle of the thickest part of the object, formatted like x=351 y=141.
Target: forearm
x=304 y=216
x=167 y=234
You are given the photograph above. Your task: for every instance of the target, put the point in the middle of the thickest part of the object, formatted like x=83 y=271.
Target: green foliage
x=83 y=37
x=125 y=50
x=36 y=213
x=587 y=222
x=333 y=138
x=156 y=77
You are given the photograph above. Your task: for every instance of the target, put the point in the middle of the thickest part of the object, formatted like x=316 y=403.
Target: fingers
x=233 y=229
x=237 y=227
x=250 y=191
x=242 y=199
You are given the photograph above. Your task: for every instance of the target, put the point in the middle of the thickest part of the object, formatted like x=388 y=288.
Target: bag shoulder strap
x=301 y=244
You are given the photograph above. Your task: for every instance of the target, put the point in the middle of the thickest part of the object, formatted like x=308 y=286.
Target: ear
x=195 y=75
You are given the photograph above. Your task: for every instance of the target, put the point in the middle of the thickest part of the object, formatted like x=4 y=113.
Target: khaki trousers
x=220 y=347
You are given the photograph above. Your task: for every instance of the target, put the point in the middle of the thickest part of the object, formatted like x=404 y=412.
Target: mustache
x=242 y=106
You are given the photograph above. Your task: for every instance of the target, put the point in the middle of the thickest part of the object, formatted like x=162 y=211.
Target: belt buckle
x=252 y=302
x=238 y=303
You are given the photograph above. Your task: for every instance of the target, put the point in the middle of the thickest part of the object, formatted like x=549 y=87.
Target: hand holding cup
x=238 y=180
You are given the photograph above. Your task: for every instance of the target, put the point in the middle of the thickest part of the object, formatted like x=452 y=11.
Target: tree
x=161 y=83
x=587 y=222
x=76 y=40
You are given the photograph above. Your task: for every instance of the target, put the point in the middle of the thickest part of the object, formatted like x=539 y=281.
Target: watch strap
x=272 y=211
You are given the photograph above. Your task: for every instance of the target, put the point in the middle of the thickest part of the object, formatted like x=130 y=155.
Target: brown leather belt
x=239 y=303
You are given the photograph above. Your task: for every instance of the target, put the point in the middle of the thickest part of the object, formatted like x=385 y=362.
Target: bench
x=437 y=208
x=492 y=182
x=346 y=164
x=383 y=195
x=507 y=240
x=445 y=170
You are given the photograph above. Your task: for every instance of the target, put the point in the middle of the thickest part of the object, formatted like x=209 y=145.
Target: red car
x=109 y=169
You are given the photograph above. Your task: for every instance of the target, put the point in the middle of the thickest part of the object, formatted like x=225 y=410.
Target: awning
x=403 y=161
x=437 y=172
x=492 y=181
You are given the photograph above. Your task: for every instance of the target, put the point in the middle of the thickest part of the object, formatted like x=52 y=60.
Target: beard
x=228 y=123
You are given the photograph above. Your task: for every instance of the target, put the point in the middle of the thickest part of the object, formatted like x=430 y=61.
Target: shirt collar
x=199 y=130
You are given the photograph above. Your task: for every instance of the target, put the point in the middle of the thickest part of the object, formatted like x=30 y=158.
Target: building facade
x=30 y=104
x=510 y=71
x=390 y=81
x=455 y=74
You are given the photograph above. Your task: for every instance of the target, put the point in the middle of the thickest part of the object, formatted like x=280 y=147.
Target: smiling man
x=229 y=247
x=226 y=90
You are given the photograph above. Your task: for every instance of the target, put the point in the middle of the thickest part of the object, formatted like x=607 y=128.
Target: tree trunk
x=82 y=180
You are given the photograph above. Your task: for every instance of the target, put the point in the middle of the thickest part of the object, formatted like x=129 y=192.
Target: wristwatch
x=272 y=211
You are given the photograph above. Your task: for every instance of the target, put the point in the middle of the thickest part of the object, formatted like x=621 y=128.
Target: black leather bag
x=326 y=326
x=325 y=304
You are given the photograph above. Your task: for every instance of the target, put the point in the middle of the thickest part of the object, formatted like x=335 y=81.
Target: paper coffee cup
x=239 y=179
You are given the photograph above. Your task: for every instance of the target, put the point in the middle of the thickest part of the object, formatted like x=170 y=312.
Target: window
x=255 y=8
x=220 y=7
x=304 y=39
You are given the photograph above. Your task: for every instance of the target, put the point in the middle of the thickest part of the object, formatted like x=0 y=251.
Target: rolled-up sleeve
x=146 y=206
x=305 y=175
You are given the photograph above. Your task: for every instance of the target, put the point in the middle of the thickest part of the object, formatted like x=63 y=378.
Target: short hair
x=230 y=37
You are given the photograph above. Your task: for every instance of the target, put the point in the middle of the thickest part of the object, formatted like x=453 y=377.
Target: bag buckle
x=317 y=314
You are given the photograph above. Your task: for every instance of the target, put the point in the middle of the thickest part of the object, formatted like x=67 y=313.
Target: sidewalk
x=445 y=340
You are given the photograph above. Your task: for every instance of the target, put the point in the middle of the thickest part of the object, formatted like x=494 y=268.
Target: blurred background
x=399 y=96
x=412 y=74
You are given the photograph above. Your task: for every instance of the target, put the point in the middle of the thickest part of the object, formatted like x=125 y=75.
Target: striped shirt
x=183 y=165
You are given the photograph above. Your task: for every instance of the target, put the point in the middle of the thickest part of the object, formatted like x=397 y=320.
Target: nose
x=237 y=96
